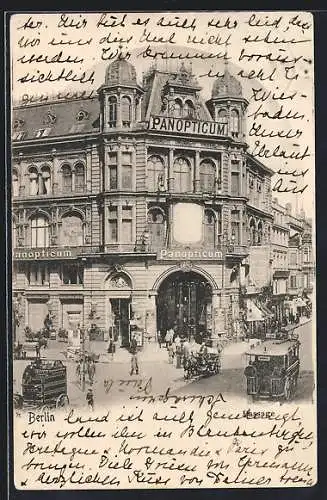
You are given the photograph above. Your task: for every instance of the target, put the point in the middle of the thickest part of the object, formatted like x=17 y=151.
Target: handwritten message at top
x=271 y=54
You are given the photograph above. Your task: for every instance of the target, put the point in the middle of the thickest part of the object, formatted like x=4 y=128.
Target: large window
x=188 y=110
x=34 y=181
x=182 y=175
x=293 y=258
x=113 y=224
x=38 y=273
x=113 y=171
x=127 y=172
x=252 y=231
x=112 y=108
x=260 y=233
x=209 y=228
x=127 y=225
x=155 y=173
x=72 y=274
x=293 y=281
x=157 y=227
x=126 y=111
x=234 y=123
x=236 y=227
x=39 y=232
x=235 y=178
x=207 y=176
x=72 y=230
x=79 y=178
x=67 y=179
x=177 y=108
x=45 y=180
x=15 y=183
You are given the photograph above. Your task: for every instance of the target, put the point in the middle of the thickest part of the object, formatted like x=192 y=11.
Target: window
x=15 y=183
x=222 y=115
x=182 y=175
x=45 y=181
x=71 y=232
x=234 y=123
x=113 y=224
x=252 y=232
x=127 y=171
x=188 y=110
x=42 y=132
x=127 y=225
x=79 y=178
x=72 y=274
x=39 y=232
x=260 y=233
x=112 y=108
x=67 y=179
x=112 y=171
x=293 y=258
x=293 y=281
x=157 y=227
x=38 y=273
x=207 y=176
x=177 y=108
x=306 y=255
x=235 y=188
x=34 y=181
x=155 y=173
x=126 y=111
x=209 y=228
x=235 y=236
x=18 y=136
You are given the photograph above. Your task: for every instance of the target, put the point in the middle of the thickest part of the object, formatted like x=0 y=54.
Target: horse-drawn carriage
x=44 y=384
x=202 y=365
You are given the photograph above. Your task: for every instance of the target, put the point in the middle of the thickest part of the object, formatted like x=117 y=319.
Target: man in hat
x=134 y=360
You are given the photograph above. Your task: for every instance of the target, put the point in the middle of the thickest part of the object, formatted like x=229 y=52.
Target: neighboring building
x=102 y=188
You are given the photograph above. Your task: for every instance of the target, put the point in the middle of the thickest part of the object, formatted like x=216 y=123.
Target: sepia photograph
x=163 y=232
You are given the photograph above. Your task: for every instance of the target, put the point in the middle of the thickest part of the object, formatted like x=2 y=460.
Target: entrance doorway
x=184 y=302
x=121 y=310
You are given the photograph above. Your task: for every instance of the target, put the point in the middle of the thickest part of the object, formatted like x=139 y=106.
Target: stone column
x=89 y=168
x=151 y=319
x=119 y=119
x=119 y=167
x=170 y=170
x=197 y=172
x=55 y=174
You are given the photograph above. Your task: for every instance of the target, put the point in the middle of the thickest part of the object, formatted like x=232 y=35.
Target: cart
x=44 y=385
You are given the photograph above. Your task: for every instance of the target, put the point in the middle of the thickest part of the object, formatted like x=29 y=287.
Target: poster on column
x=195 y=131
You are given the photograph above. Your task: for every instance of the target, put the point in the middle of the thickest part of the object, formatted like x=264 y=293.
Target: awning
x=281 y=274
x=253 y=312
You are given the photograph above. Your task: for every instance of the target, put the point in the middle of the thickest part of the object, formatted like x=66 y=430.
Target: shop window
x=113 y=224
x=207 y=176
x=157 y=227
x=126 y=111
x=234 y=123
x=67 y=179
x=182 y=175
x=127 y=171
x=79 y=178
x=15 y=183
x=209 y=228
x=72 y=230
x=236 y=226
x=71 y=274
x=113 y=171
x=127 y=225
x=112 y=108
x=155 y=173
x=38 y=273
x=39 y=232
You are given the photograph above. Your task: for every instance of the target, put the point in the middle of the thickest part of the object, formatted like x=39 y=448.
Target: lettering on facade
x=43 y=253
x=185 y=126
x=196 y=254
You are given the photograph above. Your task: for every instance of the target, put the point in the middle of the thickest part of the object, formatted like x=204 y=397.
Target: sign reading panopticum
x=194 y=254
x=52 y=253
x=184 y=126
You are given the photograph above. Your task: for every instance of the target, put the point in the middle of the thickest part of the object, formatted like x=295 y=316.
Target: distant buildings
x=141 y=206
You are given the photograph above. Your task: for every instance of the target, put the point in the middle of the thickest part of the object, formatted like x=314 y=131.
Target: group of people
x=86 y=368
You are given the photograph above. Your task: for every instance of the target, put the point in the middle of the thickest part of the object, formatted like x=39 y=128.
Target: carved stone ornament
x=186 y=266
x=119 y=282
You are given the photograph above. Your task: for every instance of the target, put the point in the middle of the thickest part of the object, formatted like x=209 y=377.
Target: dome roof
x=121 y=72
x=227 y=86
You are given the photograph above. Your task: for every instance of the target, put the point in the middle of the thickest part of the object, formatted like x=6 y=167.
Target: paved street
x=113 y=382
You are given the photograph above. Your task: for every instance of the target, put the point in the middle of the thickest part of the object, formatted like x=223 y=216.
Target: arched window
x=45 y=180
x=157 y=227
x=209 y=228
x=234 y=123
x=39 y=232
x=178 y=106
x=252 y=232
x=126 y=111
x=34 y=181
x=188 y=110
x=207 y=176
x=79 y=178
x=222 y=115
x=112 y=108
x=67 y=179
x=260 y=233
x=182 y=176
x=15 y=183
x=155 y=173
x=72 y=234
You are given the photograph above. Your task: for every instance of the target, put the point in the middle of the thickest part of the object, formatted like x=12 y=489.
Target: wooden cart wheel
x=62 y=401
x=287 y=389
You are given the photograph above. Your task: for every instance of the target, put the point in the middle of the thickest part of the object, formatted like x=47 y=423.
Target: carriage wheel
x=287 y=389
x=62 y=401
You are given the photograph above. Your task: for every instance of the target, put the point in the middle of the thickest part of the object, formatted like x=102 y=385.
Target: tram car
x=44 y=385
x=202 y=365
x=272 y=369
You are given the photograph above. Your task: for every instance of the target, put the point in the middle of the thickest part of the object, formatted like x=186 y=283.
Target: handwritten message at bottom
x=166 y=441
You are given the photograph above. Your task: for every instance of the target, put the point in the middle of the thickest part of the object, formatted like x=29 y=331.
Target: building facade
x=139 y=206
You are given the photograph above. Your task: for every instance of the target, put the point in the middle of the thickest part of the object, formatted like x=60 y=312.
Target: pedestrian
x=134 y=360
x=38 y=350
x=159 y=338
x=90 y=399
x=170 y=353
x=111 y=347
x=186 y=350
x=91 y=370
x=169 y=337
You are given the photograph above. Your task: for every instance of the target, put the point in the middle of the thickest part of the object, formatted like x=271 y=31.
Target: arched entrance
x=184 y=302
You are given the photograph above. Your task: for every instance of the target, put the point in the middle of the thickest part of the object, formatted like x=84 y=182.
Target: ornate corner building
x=141 y=203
